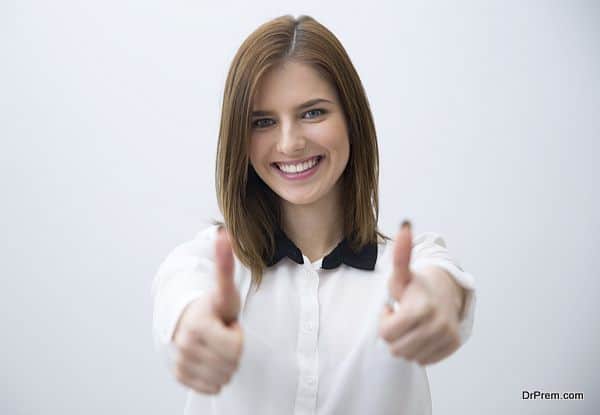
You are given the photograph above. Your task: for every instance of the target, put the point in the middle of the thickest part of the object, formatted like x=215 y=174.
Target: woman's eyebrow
x=308 y=103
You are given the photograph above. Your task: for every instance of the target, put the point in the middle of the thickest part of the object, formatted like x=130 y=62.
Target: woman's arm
x=431 y=300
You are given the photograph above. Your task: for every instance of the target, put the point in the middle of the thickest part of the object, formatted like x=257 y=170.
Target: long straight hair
x=250 y=209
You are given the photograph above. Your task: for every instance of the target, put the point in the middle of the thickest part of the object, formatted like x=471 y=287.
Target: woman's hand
x=423 y=326
x=208 y=338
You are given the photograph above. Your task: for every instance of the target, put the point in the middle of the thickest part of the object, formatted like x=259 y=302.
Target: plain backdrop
x=488 y=123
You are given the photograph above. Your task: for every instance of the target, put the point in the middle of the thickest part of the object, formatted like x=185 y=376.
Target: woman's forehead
x=290 y=84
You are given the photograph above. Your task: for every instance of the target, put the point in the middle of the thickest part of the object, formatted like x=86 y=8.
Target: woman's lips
x=299 y=176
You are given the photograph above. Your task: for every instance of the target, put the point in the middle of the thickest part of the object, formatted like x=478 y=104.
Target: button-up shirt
x=311 y=343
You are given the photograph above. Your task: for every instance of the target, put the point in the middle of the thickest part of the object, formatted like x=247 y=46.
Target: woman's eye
x=320 y=111
x=266 y=122
x=259 y=123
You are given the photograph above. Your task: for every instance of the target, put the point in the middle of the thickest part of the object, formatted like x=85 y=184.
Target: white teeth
x=297 y=168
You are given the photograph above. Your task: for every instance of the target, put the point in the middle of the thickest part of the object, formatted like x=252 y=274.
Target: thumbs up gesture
x=226 y=299
x=208 y=338
x=422 y=325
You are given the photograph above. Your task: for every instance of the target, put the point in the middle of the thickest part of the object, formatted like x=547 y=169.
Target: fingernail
x=406 y=224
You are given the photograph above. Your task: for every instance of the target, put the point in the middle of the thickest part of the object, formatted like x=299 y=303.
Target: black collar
x=364 y=259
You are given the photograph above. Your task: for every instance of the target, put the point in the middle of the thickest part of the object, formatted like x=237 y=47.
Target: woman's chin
x=297 y=199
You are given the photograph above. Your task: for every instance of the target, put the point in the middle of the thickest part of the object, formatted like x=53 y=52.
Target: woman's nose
x=291 y=141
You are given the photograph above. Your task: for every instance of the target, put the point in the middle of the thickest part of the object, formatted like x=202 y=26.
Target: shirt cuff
x=164 y=325
x=166 y=321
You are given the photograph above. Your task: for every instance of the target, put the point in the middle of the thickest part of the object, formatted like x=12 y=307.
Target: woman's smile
x=298 y=171
x=303 y=151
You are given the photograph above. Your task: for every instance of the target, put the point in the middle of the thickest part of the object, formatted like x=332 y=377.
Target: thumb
x=226 y=301
x=401 y=274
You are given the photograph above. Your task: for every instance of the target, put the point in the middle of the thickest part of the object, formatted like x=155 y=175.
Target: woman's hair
x=251 y=210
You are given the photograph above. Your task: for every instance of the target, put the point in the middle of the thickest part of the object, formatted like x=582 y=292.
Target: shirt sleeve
x=183 y=276
x=429 y=248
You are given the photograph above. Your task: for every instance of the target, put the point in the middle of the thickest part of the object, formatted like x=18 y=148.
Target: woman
x=296 y=302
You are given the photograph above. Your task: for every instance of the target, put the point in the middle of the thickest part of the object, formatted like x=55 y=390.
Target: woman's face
x=288 y=138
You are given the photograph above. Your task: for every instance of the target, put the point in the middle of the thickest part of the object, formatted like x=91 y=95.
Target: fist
x=423 y=323
x=208 y=339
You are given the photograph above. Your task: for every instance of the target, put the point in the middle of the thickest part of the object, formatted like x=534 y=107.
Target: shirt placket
x=307 y=351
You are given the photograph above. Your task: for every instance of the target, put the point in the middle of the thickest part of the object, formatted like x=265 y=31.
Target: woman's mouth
x=298 y=171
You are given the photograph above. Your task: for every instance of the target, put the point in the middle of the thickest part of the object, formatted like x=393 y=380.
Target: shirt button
x=308 y=326
x=311 y=380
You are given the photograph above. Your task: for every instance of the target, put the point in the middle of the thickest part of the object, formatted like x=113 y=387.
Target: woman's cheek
x=323 y=136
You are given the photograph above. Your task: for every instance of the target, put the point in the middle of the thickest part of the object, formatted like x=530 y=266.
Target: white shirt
x=311 y=343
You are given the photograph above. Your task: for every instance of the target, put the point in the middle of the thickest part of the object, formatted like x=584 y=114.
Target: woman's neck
x=315 y=228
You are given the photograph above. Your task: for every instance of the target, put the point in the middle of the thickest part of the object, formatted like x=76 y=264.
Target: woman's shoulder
x=417 y=239
x=420 y=241
x=208 y=231
x=200 y=245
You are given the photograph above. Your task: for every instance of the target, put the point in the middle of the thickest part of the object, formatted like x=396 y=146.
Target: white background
x=488 y=122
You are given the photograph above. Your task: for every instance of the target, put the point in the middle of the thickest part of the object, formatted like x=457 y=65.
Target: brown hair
x=251 y=210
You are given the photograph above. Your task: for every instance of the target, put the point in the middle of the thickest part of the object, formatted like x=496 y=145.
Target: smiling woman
x=300 y=159
x=293 y=97
x=297 y=182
